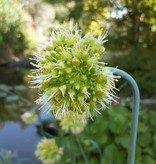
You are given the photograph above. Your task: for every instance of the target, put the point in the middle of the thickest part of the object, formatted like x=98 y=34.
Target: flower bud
x=77 y=86
x=68 y=70
x=75 y=62
x=49 y=48
x=83 y=77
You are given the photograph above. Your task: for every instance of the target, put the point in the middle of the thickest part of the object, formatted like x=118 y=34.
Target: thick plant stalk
x=135 y=113
x=81 y=149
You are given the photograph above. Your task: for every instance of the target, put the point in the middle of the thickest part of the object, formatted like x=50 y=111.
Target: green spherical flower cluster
x=74 y=122
x=48 y=151
x=70 y=75
x=29 y=117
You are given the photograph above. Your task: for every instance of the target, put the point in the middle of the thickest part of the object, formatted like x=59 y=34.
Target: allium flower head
x=48 y=151
x=70 y=76
x=29 y=117
x=74 y=122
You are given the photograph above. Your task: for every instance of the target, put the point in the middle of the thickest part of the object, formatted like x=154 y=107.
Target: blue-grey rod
x=135 y=112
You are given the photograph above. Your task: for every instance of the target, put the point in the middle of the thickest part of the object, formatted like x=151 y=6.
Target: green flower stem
x=135 y=113
x=81 y=149
x=73 y=161
x=95 y=145
x=1 y=159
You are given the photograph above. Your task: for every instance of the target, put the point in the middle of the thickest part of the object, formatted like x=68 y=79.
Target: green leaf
x=148 y=159
x=12 y=98
x=20 y=88
x=142 y=127
x=109 y=156
x=3 y=94
x=123 y=141
x=144 y=139
x=148 y=151
x=5 y=88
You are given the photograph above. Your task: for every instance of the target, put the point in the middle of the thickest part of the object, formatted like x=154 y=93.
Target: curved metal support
x=135 y=113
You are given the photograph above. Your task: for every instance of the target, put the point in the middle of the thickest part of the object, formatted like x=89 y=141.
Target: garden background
x=131 y=46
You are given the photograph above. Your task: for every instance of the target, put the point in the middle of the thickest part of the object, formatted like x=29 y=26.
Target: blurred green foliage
x=140 y=63
x=14 y=35
x=7 y=157
x=106 y=139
